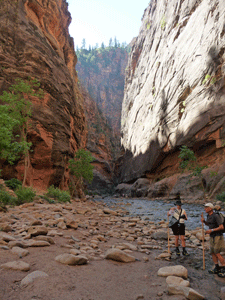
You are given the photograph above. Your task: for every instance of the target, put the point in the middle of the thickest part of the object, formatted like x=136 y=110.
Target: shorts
x=178 y=229
x=217 y=244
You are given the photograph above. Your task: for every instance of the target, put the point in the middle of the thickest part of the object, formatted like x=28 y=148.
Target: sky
x=97 y=21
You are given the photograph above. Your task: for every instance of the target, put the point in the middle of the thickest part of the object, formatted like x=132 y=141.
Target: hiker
x=179 y=228
x=217 y=245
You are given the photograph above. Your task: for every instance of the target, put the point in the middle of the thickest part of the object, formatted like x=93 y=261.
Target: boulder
x=70 y=259
x=177 y=270
x=119 y=255
x=18 y=265
x=31 y=277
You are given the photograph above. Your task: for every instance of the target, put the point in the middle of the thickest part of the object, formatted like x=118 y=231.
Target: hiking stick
x=168 y=231
x=203 y=244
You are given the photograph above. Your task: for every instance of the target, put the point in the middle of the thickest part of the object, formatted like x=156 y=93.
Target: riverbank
x=89 y=229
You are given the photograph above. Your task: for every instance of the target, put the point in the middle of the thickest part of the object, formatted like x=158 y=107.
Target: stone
x=31 y=277
x=19 y=251
x=16 y=265
x=70 y=259
x=109 y=211
x=174 y=280
x=37 y=230
x=177 y=270
x=6 y=237
x=160 y=235
x=222 y=293
x=45 y=238
x=119 y=255
x=34 y=243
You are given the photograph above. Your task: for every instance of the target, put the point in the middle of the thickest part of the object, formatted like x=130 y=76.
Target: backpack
x=222 y=217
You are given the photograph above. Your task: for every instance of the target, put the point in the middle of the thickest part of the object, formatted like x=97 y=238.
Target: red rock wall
x=35 y=42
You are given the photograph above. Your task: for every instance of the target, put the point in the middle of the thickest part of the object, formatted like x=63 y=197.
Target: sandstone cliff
x=34 y=41
x=102 y=73
x=175 y=88
x=102 y=145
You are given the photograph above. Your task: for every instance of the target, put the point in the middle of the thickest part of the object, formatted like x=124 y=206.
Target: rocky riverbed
x=91 y=250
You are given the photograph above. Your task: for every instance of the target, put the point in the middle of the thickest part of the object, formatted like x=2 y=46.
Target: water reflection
x=156 y=210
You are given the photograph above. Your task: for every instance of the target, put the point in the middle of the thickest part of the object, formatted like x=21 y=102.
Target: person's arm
x=171 y=211
x=204 y=221
x=219 y=228
x=184 y=215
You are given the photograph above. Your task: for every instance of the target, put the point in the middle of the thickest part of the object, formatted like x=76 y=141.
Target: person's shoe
x=221 y=273
x=185 y=253
x=216 y=270
x=177 y=252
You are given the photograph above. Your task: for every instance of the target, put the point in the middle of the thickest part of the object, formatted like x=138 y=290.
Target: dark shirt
x=214 y=221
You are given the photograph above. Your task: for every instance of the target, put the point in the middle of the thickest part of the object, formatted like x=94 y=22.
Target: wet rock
x=16 y=265
x=119 y=255
x=31 y=277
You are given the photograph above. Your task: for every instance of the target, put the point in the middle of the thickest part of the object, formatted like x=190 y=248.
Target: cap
x=209 y=205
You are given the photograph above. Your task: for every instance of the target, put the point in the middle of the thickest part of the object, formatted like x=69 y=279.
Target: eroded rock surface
x=175 y=89
x=35 y=42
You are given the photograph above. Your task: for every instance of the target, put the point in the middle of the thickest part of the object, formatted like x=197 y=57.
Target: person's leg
x=177 y=244
x=216 y=269
x=220 y=258
x=177 y=241
x=182 y=237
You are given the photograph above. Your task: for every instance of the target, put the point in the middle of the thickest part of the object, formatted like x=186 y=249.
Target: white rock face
x=174 y=83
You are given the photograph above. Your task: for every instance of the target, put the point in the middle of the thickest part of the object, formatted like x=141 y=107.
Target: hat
x=178 y=202
x=209 y=205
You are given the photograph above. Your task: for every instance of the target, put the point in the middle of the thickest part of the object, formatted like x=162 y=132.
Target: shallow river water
x=156 y=210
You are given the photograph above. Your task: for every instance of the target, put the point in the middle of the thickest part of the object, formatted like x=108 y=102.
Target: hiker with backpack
x=217 y=244
x=178 y=228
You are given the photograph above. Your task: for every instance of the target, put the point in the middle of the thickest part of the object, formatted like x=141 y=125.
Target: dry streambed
x=41 y=244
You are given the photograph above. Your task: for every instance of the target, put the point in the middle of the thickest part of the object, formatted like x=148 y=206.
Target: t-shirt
x=177 y=213
x=214 y=221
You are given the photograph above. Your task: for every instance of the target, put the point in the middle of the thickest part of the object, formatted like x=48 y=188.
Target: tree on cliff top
x=14 y=115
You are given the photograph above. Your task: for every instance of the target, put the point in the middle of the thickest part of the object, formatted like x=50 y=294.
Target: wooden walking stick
x=203 y=244
x=168 y=231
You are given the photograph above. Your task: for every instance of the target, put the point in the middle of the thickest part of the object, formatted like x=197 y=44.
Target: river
x=155 y=210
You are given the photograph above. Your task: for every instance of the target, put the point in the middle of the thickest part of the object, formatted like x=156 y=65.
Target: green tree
x=81 y=167
x=17 y=109
x=187 y=157
x=188 y=160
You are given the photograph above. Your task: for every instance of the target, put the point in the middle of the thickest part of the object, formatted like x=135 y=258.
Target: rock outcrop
x=35 y=42
x=175 y=88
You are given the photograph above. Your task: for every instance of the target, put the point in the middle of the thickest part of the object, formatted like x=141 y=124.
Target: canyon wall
x=174 y=88
x=102 y=72
x=35 y=42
